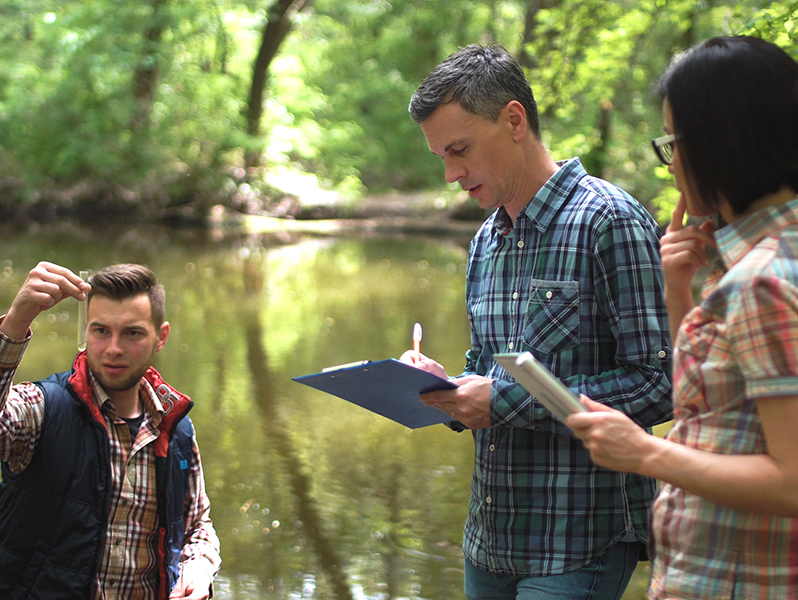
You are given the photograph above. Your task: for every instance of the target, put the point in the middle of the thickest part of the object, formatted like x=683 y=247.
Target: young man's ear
x=163 y=335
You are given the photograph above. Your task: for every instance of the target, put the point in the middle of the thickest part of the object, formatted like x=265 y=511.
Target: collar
x=150 y=402
x=548 y=201
x=736 y=239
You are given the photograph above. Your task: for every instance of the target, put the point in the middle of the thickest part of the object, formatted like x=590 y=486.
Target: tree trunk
x=595 y=161
x=525 y=59
x=145 y=79
x=277 y=26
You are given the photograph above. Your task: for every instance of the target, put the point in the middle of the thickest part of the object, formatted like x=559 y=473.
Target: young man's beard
x=126 y=382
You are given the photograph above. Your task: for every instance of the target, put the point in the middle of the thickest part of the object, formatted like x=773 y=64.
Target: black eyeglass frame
x=663 y=147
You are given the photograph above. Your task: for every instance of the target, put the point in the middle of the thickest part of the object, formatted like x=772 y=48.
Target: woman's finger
x=677 y=220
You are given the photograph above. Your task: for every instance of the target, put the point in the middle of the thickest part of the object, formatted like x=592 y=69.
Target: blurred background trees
x=163 y=107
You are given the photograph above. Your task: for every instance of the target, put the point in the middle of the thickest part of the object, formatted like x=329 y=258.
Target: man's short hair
x=121 y=282
x=482 y=79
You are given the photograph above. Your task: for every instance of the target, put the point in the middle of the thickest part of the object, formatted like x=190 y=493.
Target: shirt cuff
x=771 y=387
x=11 y=350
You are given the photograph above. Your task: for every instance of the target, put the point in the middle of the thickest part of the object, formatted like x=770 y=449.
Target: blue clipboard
x=387 y=387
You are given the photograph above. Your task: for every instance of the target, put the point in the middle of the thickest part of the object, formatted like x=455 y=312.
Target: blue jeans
x=603 y=579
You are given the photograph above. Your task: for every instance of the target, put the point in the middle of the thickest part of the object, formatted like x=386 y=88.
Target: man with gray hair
x=567 y=267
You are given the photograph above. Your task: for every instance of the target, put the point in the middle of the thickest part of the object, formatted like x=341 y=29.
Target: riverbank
x=309 y=208
x=296 y=203
x=428 y=213
x=384 y=224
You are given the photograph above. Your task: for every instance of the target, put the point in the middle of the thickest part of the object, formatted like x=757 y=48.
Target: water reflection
x=312 y=497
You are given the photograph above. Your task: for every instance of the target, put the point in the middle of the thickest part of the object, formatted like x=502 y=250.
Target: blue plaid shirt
x=577 y=281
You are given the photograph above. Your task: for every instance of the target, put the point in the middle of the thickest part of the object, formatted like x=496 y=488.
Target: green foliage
x=364 y=59
x=67 y=103
x=777 y=22
x=593 y=55
x=337 y=94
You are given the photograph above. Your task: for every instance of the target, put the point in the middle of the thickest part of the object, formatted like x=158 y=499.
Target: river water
x=312 y=497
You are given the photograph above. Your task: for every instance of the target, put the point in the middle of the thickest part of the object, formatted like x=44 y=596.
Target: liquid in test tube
x=83 y=317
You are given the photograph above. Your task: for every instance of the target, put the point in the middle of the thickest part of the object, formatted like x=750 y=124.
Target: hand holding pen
x=415 y=358
x=469 y=403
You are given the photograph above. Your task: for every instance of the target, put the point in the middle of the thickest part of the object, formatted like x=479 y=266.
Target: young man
x=567 y=267
x=103 y=494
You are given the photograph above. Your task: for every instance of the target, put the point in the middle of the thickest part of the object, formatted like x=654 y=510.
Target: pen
x=417 y=341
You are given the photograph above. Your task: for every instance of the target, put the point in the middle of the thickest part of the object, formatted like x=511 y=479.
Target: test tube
x=83 y=316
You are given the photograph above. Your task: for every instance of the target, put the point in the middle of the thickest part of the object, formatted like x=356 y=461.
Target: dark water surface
x=312 y=497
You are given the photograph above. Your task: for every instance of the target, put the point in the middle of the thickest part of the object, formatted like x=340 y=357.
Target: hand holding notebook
x=541 y=383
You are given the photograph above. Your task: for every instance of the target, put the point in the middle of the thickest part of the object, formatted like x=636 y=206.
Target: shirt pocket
x=552 y=318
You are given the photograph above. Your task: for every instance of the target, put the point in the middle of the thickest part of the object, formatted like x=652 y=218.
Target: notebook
x=541 y=383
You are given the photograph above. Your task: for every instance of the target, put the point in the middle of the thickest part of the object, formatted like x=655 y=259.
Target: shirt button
x=489 y=500
x=510 y=345
x=515 y=295
x=492 y=447
x=520 y=243
x=662 y=354
x=549 y=295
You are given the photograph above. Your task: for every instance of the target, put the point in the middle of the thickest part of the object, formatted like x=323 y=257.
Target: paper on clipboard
x=541 y=383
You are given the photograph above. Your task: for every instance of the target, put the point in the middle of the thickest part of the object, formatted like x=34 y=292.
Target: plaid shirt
x=577 y=281
x=740 y=344
x=128 y=568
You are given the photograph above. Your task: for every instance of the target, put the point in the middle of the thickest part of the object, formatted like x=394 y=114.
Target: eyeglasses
x=663 y=147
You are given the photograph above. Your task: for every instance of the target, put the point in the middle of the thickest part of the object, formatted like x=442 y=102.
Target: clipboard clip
x=357 y=363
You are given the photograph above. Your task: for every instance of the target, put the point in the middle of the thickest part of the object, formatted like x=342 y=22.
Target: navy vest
x=53 y=515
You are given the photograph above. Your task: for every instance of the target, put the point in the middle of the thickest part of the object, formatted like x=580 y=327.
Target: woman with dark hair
x=725 y=521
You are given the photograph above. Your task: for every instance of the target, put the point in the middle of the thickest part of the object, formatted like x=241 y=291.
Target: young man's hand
x=194 y=582
x=47 y=284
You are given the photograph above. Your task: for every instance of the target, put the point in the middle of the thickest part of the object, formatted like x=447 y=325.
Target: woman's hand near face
x=683 y=251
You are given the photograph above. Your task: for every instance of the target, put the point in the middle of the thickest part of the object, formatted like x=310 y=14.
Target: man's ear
x=516 y=117
x=163 y=335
